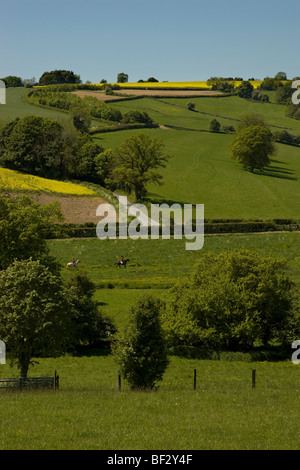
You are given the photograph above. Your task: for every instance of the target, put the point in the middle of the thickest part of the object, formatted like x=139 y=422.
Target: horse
x=71 y=265
x=120 y=263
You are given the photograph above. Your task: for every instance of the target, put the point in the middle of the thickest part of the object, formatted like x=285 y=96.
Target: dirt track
x=76 y=210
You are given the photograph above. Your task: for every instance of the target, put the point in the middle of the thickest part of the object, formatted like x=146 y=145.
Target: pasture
x=155 y=265
x=224 y=412
x=88 y=413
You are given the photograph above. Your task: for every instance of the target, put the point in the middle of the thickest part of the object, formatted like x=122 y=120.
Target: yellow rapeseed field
x=200 y=84
x=11 y=180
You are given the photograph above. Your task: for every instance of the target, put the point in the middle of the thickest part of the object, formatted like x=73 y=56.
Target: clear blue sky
x=169 y=39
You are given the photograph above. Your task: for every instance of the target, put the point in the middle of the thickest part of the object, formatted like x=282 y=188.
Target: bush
x=141 y=353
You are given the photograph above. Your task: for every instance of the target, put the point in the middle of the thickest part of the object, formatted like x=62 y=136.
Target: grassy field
x=224 y=412
x=156 y=264
x=88 y=412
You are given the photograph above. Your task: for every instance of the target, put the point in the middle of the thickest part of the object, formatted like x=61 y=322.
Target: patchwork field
x=223 y=412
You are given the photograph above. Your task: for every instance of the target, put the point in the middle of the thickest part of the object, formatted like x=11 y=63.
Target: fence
x=21 y=383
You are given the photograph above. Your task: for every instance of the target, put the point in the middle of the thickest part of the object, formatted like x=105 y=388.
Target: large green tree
x=34 y=312
x=136 y=162
x=231 y=301
x=252 y=146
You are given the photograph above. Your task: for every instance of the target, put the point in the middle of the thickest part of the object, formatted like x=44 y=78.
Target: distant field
x=155 y=265
x=188 y=84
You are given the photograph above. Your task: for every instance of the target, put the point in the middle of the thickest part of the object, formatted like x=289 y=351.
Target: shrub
x=142 y=353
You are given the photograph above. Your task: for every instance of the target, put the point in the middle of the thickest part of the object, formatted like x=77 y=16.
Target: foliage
x=252 y=146
x=122 y=78
x=32 y=144
x=58 y=77
x=12 y=81
x=135 y=164
x=142 y=354
x=34 y=312
x=137 y=116
x=90 y=326
x=230 y=301
x=214 y=125
x=245 y=90
x=284 y=94
x=220 y=84
x=42 y=147
x=80 y=118
x=23 y=225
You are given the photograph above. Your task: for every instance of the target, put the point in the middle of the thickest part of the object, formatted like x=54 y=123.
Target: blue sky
x=171 y=40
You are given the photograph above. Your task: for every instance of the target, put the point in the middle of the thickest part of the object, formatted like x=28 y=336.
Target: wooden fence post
x=195 y=379
x=253 y=378
x=119 y=381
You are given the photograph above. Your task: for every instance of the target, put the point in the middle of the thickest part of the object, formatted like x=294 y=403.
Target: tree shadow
x=276 y=171
x=154 y=198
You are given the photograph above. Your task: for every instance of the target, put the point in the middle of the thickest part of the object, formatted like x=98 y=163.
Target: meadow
x=224 y=412
x=156 y=265
x=88 y=413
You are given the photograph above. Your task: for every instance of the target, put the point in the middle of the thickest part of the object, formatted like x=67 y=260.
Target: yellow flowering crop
x=11 y=180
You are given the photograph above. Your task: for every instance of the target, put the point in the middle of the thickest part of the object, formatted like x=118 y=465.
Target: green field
x=156 y=264
x=201 y=170
x=88 y=412
x=224 y=412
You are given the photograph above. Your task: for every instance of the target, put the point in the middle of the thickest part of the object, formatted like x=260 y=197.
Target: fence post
x=253 y=378
x=195 y=379
x=56 y=381
x=119 y=381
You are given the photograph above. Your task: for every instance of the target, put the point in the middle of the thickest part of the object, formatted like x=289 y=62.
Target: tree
x=214 y=125
x=251 y=119
x=23 y=228
x=141 y=353
x=59 y=77
x=80 y=117
x=231 y=301
x=33 y=144
x=135 y=164
x=90 y=326
x=122 y=78
x=12 y=81
x=245 y=90
x=281 y=76
x=252 y=146
x=34 y=312
x=137 y=116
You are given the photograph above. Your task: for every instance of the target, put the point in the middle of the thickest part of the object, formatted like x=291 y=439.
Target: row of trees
x=43 y=147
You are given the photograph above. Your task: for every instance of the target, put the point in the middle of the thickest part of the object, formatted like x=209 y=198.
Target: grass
x=202 y=172
x=87 y=412
x=156 y=264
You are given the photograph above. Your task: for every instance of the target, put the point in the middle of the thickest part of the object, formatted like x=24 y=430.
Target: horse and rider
x=122 y=262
